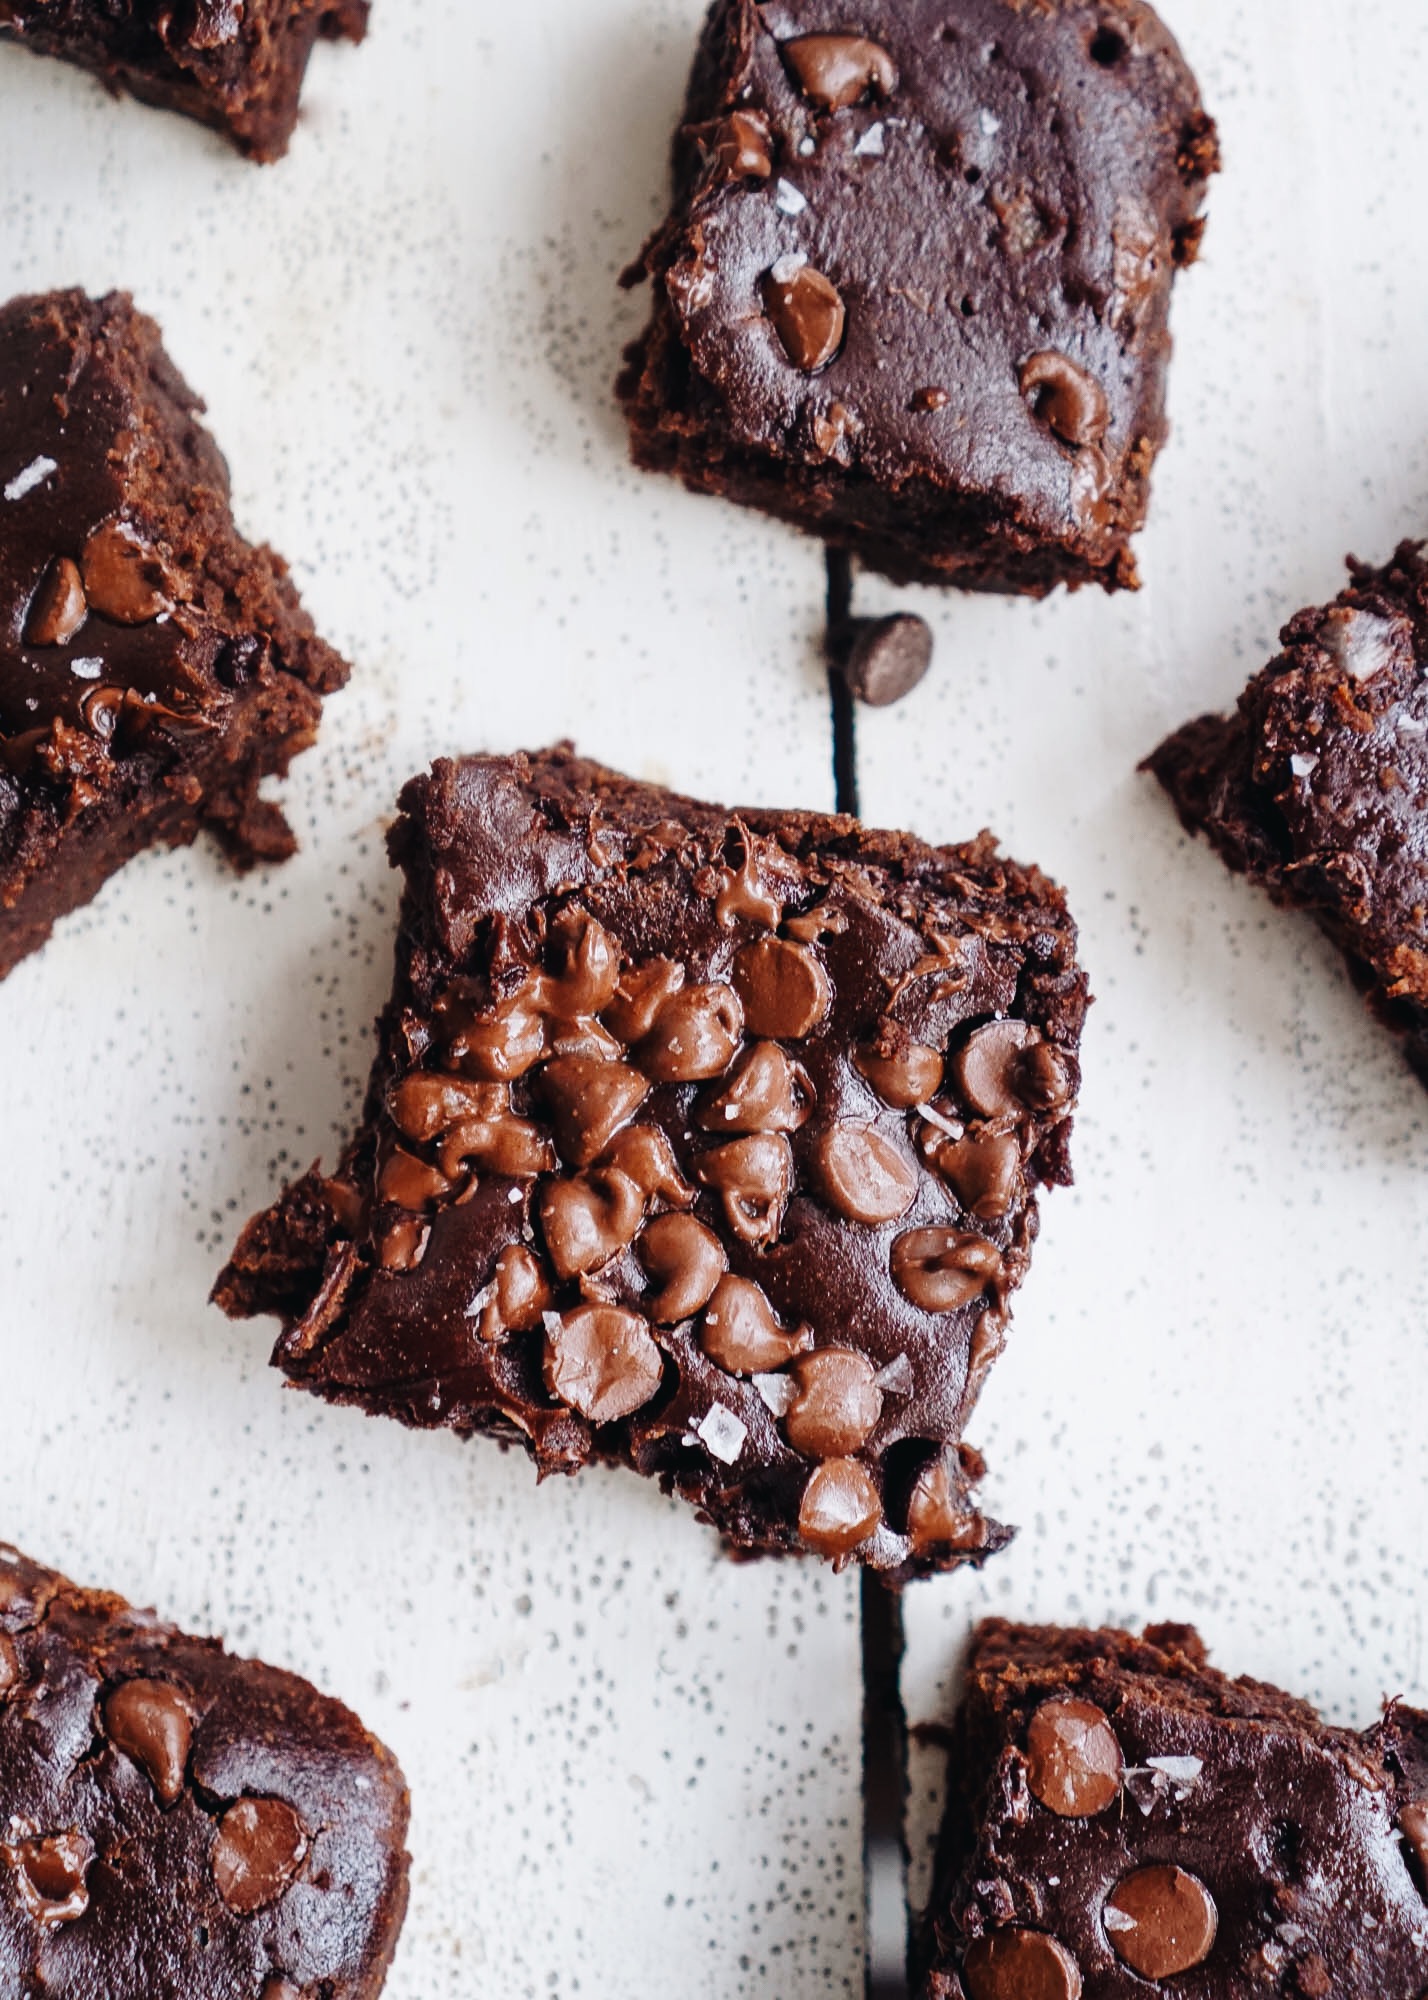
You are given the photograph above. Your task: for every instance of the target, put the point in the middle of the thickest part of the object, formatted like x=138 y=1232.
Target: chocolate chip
x=743 y=147
x=744 y=893
x=404 y=1244
x=1067 y=397
x=258 y=1850
x=755 y=1178
x=1161 y=1920
x=589 y=1102
x=644 y=1154
x=601 y=1361
x=984 y=1174
x=901 y=1071
x=123 y=578
x=938 y=1513
x=834 y=71
x=993 y=1070
x=742 y=1334
x=686 y=1261
x=767 y=1093
x=149 y=1721
x=59 y=607
x=1413 y=1825
x=807 y=313
x=9 y=1666
x=101 y=709
x=1073 y=1758
x=424 y=1105
x=495 y=1045
x=50 y=1873
x=862 y=1174
x=279 y=1988
x=589 y=973
x=410 y=1182
x=589 y=1219
x=642 y=991
x=695 y=1035
x=887 y=657
x=836 y=1404
x=521 y=1294
x=512 y=1147
x=1016 y=1964
x=1045 y=1077
x=784 y=988
x=840 y=1507
x=938 y=1270
x=926 y=401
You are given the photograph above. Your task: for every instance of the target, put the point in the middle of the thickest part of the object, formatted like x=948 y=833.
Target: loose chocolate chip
x=767 y=1093
x=424 y=1104
x=695 y=1035
x=984 y=1174
x=742 y=1334
x=784 y=988
x=988 y=1069
x=1413 y=1824
x=589 y=1102
x=257 y=1851
x=601 y=1361
x=902 y=1072
x=643 y=1153
x=1016 y=1964
x=404 y=1244
x=938 y=1513
x=743 y=147
x=410 y=1182
x=755 y=1178
x=521 y=1294
x=1161 y=1920
x=123 y=579
x=513 y=1147
x=686 y=1261
x=9 y=1666
x=589 y=1219
x=50 y=1873
x=1067 y=397
x=862 y=1174
x=807 y=313
x=938 y=1270
x=834 y=71
x=643 y=990
x=589 y=973
x=840 y=1507
x=59 y=607
x=1073 y=1758
x=497 y=1044
x=149 y=1721
x=888 y=657
x=836 y=1404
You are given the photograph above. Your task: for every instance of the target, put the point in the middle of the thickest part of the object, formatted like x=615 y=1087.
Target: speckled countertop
x=632 y=1762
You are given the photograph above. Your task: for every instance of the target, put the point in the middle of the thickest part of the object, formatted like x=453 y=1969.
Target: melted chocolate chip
x=834 y=71
x=742 y=1334
x=1073 y=1758
x=522 y=1294
x=50 y=1872
x=410 y=1182
x=754 y=1176
x=686 y=1262
x=257 y=1851
x=59 y=607
x=938 y=1513
x=836 y=1403
x=840 y=1508
x=589 y=1101
x=601 y=1361
x=403 y=1244
x=642 y=992
x=768 y=1092
x=1413 y=1825
x=939 y=1270
x=149 y=1721
x=695 y=1035
x=901 y=1071
x=511 y=1146
x=784 y=988
x=807 y=313
x=888 y=657
x=1161 y=1920
x=984 y=1174
x=588 y=977
x=1017 y=1964
x=123 y=579
x=9 y=1666
x=989 y=1068
x=589 y=1219
x=496 y=1045
x=424 y=1105
x=279 y=1988
x=1066 y=397
x=644 y=1155
x=863 y=1175
x=743 y=147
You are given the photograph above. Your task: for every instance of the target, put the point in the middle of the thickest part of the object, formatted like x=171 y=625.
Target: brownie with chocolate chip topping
x=154 y=667
x=1316 y=787
x=237 y=65
x=180 y=1822
x=702 y=1141
x=1125 y=1820
x=914 y=289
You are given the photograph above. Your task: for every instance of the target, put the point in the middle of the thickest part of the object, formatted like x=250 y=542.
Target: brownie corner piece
x=179 y=1821
x=701 y=1141
x=154 y=667
x=1316 y=786
x=908 y=301
x=236 y=65
x=1122 y=1819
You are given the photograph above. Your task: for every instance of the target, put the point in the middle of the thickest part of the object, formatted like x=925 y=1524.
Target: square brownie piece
x=1125 y=1820
x=180 y=1822
x=154 y=667
x=237 y=65
x=1317 y=786
x=913 y=292
x=701 y=1141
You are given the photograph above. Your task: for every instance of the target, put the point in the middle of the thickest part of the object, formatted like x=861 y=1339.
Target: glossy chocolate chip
x=410 y=1182
x=686 y=1261
x=783 y=987
x=888 y=657
x=743 y=894
x=984 y=1174
x=1017 y=1964
x=1045 y=1077
x=644 y=1154
x=589 y=1101
x=840 y=1508
x=754 y=1176
x=150 y=1722
x=513 y=1147
x=1161 y=1920
x=1066 y=397
x=59 y=607
x=1413 y=1825
x=987 y=1068
x=50 y=1873
x=768 y=1092
x=901 y=1071
x=521 y=1293
x=425 y=1104
x=938 y=1513
x=742 y=147
x=1073 y=1758
x=588 y=974
x=601 y=1361
x=862 y=1174
x=834 y=71
x=257 y=1851
x=695 y=1035
x=742 y=1333
x=642 y=991
x=589 y=1219
x=497 y=1044
x=938 y=1270
x=403 y=1244
x=123 y=578
x=807 y=313
x=836 y=1403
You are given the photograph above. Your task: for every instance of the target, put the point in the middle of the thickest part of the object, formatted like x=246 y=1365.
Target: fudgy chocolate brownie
x=1124 y=1820
x=178 y=1824
x=701 y=1141
x=1317 y=786
x=914 y=289
x=153 y=666
x=237 y=65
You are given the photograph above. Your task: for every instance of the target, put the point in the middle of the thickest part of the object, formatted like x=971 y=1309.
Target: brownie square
x=913 y=292
x=1125 y=1820
x=179 y=1824
x=704 y=1142
x=237 y=65
x=154 y=667
x=1317 y=786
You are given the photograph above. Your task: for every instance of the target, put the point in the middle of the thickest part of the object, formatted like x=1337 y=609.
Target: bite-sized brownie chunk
x=178 y=1824
x=701 y=1141
x=237 y=65
x=153 y=666
x=914 y=288
x=1123 y=1820
x=1317 y=786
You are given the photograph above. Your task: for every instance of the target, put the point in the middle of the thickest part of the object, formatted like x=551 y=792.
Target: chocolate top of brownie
x=180 y=1822
x=699 y=1139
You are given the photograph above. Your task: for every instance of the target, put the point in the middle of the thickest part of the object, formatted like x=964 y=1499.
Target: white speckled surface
x=635 y=1766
